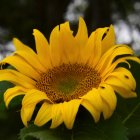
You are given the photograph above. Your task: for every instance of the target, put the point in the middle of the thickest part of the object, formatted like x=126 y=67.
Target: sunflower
x=68 y=72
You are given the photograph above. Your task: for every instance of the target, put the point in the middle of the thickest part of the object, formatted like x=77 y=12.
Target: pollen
x=68 y=81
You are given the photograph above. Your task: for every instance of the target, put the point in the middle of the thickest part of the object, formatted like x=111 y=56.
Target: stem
x=131 y=113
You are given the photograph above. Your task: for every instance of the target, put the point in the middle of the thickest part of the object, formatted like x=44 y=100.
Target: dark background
x=18 y=18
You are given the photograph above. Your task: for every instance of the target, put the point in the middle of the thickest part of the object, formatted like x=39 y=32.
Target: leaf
x=133 y=122
x=43 y=133
x=129 y=109
x=4 y=85
x=111 y=129
x=84 y=129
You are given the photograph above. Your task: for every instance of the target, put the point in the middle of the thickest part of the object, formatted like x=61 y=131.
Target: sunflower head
x=68 y=72
x=68 y=82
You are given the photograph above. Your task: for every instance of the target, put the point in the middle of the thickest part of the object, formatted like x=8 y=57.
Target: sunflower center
x=68 y=81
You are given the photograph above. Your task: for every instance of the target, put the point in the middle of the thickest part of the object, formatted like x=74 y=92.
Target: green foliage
x=42 y=133
x=3 y=87
x=132 y=120
x=84 y=129
x=10 y=122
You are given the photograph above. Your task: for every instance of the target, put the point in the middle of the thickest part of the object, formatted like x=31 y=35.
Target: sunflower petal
x=105 y=73
x=20 y=46
x=23 y=77
x=69 y=44
x=109 y=100
x=43 y=49
x=33 y=97
x=95 y=113
x=55 y=47
x=69 y=111
x=26 y=113
x=125 y=76
x=109 y=40
x=13 y=92
x=94 y=98
x=133 y=58
x=88 y=49
x=82 y=34
x=31 y=59
x=16 y=78
x=108 y=58
x=21 y=65
x=97 y=47
x=44 y=114
x=108 y=95
x=57 y=118
x=107 y=112
x=29 y=102
x=120 y=87
x=124 y=92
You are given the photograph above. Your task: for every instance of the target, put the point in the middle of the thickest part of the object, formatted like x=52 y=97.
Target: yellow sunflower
x=67 y=72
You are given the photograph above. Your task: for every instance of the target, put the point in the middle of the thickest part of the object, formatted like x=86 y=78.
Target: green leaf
x=44 y=133
x=84 y=129
x=111 y=129
x=4 y=85
x=129 y=109
x=132 y=121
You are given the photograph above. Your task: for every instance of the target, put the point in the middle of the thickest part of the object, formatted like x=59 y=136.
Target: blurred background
x=18 y=18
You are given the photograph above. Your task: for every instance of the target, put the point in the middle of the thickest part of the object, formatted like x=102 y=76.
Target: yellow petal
x=109 y=40
x=95 y=113
x=27 y=53
x=82 y=34
x=108 y=58
x=109 y=100
x=20 y=46
x=88 y=50
x=121 y=88
x=107 y=112
x=16 y=78
x=136 y=59
x=124 y=92
x=26 y=113
x=29 y=102
x=55 y=47
x=21 y=65
x=106 y=72
x=118 y=61
x=108 y=95
x=13 y=92
x=33 y=97
x=69 y=111
x=69 y=44
x=57 y=118
x=93 y=97
x=97 y=47
x=43 y=49
x=125 y=76
x=19 y=75
x=32 y=60
x=44 y=114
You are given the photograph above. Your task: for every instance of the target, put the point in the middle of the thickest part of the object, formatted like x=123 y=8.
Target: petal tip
x=35 y=31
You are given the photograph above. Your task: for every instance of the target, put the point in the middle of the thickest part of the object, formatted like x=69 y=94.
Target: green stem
x=131 y=113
